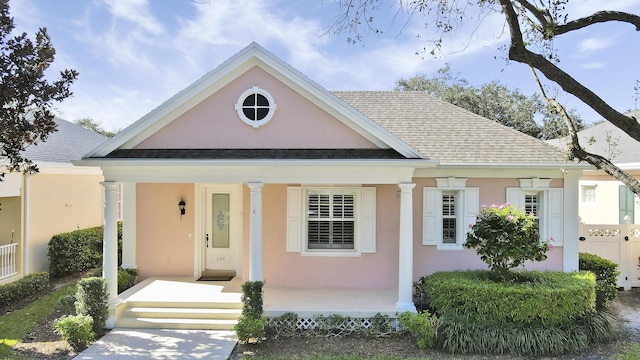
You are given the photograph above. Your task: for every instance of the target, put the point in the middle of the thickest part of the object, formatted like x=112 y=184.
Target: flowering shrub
x=505 y=238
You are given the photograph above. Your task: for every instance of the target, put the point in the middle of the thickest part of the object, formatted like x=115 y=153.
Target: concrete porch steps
x=215 y=315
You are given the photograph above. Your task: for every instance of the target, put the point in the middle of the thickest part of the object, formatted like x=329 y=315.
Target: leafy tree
x=95 y=126
x=27 y=97
x=493 y=100
x=533 y=26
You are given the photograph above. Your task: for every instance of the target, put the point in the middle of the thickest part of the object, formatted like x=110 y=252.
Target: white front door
x=223 y=227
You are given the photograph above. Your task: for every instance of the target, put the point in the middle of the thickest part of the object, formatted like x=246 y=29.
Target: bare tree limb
x=598 y=17
x=518 y=52
x=577 y=151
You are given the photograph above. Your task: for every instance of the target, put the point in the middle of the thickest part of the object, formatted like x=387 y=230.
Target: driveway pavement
x=165 y=344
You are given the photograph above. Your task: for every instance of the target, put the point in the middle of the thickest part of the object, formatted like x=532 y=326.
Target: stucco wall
x=164 y=247
x=427 y=259
x=288 y=269
x=57 y=204
x=297 y=123
x=607 y=206
x=605 y=210
x=10 y=219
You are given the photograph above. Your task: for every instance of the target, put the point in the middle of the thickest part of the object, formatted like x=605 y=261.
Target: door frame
x=236 y=191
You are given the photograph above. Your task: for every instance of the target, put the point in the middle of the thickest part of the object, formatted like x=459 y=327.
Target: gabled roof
x=69 y=143
x=610 y=142
x=450 y=134
x=252 y=55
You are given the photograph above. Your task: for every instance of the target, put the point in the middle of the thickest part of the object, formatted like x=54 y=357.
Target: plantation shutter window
x=448 y=209
x=449 y=217
x=331 y=221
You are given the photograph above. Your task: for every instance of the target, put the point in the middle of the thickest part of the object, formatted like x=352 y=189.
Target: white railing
x=8 y=260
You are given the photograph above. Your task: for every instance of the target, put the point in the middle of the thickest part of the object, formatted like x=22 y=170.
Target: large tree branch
x=518 y=52
x=598 y=17
x=577 y=151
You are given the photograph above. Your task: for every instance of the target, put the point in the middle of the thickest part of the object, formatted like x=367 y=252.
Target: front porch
x=186 y=303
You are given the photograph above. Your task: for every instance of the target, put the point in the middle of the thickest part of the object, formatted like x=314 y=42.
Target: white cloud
x=593 y=65
x=137 y=12
x=594 y=44
x=577 y=9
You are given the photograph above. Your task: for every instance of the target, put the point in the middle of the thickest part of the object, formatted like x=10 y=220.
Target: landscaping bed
x=627 y=307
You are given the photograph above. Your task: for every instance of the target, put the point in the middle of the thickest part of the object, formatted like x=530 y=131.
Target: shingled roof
x=70 y=142
x=442 y=131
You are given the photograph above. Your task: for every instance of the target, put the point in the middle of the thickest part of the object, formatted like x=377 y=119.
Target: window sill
x=450 y=247
x=331 y=253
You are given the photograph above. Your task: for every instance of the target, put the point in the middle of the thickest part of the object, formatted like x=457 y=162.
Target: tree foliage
x=494 y=101
x=505 y=238
x=95 y=126
x=27 y=97
x=533 y=26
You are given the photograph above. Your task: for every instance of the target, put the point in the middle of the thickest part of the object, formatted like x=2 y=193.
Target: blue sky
x=134 y=54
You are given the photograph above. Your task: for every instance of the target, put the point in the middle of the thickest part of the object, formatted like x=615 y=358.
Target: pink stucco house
x=344 y=192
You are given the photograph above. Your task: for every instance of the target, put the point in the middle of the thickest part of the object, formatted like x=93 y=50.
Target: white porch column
x=255 y=233
x=571 y=230
x=110 y=247
x=405 y=267
x=129 y=225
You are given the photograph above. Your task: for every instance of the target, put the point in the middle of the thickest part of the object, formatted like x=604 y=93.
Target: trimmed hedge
x=538 y=313
x=23 y=288
x=606 y=273
x=535 y=299
x=78 y=251
x=92 y=299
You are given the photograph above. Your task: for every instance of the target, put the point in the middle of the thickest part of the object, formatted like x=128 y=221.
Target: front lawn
x=17 y=324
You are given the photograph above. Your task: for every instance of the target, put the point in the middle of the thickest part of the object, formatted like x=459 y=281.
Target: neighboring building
x=284 y=181
x=603 y=199
x=59 y=198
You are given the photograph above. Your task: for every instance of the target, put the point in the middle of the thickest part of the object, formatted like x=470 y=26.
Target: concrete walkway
x=165 y=344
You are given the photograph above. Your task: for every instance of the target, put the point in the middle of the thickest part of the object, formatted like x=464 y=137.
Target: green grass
x=16 y=325
x=333 y=357
x=629 y=352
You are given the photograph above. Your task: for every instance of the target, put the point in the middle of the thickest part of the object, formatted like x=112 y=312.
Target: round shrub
x=531 y=298
x=76 y=330
x=505 y=238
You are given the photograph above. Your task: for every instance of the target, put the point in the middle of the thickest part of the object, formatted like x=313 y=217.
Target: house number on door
x=221 y=258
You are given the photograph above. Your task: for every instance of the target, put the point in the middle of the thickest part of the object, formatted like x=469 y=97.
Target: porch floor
x=183 y=289
x=306 y=302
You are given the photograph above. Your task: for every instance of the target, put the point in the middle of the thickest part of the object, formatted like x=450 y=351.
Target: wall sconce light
x=181 y=205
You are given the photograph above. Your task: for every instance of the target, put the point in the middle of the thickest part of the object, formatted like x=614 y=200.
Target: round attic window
x=255 y=107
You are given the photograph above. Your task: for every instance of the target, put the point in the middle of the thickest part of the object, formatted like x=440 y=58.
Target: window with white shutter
x=546 y=204
x=331 y=221
x=448 y=209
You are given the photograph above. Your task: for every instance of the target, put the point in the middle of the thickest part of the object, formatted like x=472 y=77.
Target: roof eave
x=416 y=163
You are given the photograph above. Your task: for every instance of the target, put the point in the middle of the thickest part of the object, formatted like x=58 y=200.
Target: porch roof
x=235 y=154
